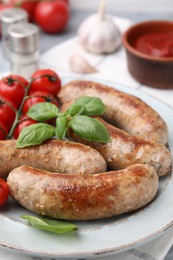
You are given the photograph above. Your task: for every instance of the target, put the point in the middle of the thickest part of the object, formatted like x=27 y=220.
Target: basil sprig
x=51 y=225
x=77 y=117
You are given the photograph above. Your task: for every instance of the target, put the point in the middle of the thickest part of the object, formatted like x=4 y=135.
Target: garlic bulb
x=79 y=64
x=98 y=33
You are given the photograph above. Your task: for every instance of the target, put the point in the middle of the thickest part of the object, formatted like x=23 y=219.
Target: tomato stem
x=10 y=80
x=3 y=101
x=50 y=78
x=42 y=96
x=3 y=131
x=18 y=113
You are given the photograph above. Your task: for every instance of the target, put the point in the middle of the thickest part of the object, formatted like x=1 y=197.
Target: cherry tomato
x=7 y=114
x=28 y=5
x=50 y=84
x=52 y=16
x=37 y=97
x=30 y=102
x=3 y=131
x=4 y=192
x=40 y=94
x=25 y=121
x=47 y=96
x=13 y=90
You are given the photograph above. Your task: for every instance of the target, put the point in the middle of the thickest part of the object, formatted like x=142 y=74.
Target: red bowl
x=156 y=72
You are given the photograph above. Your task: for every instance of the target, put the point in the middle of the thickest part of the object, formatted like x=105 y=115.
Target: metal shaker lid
x=13 y=15
x=23 y=37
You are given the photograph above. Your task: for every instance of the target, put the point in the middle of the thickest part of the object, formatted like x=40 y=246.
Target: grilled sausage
x=123 y=110
x=124 y=150
x=53 y=155
x=83 y=197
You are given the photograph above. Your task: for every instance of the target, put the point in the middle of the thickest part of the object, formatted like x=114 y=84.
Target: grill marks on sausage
x=53 y=155
x=83 y=197
x=124 y=150
x=123 y=110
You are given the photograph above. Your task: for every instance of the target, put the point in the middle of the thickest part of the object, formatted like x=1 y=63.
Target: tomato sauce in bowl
x=149 y=52
x=155 y=44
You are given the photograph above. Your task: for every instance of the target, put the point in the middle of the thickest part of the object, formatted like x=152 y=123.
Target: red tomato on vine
x=7 y=112
x=13 y=87
x=46 y=81
x=24 y=121
x=37 y=97
x=4 y=191
x=29 y=102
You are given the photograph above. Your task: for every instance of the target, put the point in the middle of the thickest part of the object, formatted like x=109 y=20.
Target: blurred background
x=150 y=6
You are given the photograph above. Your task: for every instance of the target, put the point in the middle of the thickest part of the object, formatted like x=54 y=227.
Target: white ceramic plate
x=101 y=237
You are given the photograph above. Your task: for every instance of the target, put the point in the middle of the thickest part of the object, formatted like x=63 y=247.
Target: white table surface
x=146 y=252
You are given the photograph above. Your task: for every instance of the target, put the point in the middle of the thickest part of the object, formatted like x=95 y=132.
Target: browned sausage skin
x=83 y=197
x=53 y=155
x=126 y=111
x=124 y=150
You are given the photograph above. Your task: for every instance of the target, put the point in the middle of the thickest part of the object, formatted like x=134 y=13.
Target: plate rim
x=107 y=251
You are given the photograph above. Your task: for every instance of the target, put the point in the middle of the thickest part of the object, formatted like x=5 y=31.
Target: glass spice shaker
x=7 y=17
x=24 y=49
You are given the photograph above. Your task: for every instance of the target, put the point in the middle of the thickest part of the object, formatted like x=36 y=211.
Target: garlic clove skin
x=79 y=64
x=99 y=36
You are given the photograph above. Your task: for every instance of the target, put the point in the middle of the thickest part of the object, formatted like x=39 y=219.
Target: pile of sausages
x=69 y=180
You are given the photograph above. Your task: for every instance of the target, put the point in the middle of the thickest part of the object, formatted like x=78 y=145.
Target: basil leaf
x=90 y=106
x=51 y=225
x=35 y=134
x=61 y=126
x=43 y=111
x=74 y=109
x=90 y=129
